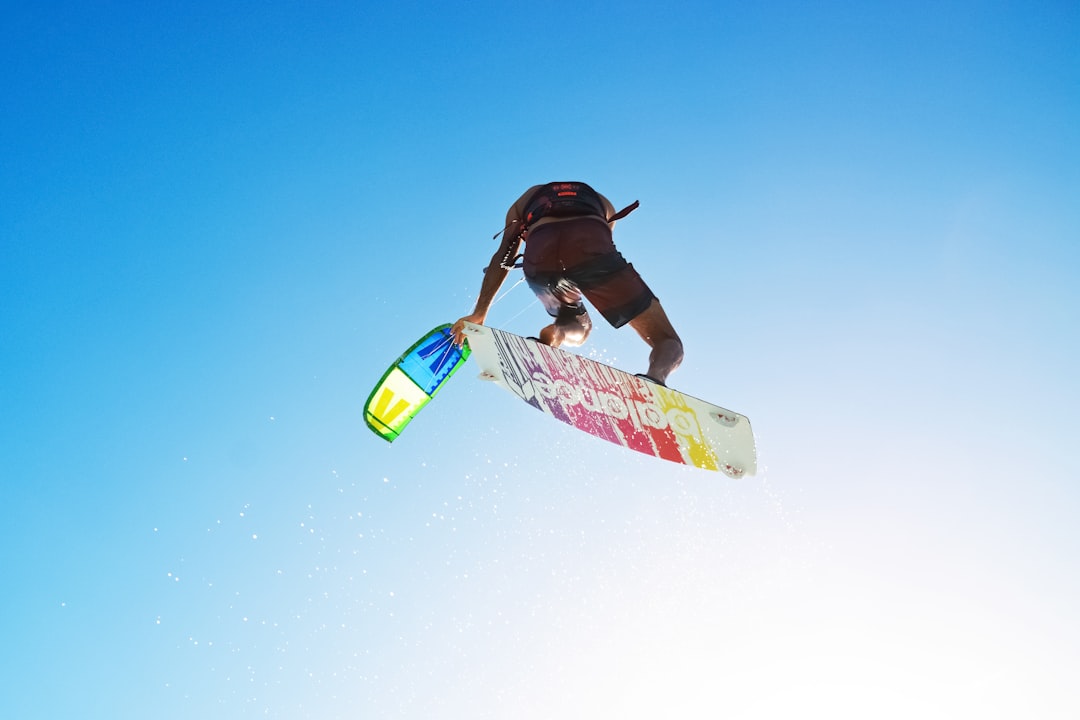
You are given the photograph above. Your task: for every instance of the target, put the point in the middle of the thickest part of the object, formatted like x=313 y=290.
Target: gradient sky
x=220 y=223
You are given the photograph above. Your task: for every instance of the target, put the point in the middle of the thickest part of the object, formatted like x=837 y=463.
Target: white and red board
x=615 y=405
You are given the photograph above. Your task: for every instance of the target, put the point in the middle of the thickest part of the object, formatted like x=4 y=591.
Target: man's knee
x=575 y=329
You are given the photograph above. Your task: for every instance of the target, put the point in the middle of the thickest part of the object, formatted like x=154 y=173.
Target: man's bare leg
x=667 y=349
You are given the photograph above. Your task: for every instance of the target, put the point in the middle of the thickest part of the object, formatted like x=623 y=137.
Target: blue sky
x=219 y=225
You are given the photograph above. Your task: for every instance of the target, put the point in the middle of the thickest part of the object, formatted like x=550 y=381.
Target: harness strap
x=513 y=264
x=624 y=212
x=512 y=224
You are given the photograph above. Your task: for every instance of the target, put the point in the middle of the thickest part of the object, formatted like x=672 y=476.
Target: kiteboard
x=614 y=405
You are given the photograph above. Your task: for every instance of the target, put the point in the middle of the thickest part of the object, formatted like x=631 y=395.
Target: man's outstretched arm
x=494 y=275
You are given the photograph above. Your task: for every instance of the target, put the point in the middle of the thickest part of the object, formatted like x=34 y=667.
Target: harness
x=562 y=200
x=565 y=199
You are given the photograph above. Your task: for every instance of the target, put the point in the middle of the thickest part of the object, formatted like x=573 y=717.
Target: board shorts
x=567 y=259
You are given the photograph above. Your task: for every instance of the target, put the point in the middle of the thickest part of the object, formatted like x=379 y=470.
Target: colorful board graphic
x=615 y=405
x=412 y=381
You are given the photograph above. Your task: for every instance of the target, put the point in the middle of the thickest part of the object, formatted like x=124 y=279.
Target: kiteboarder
x=569 y=253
